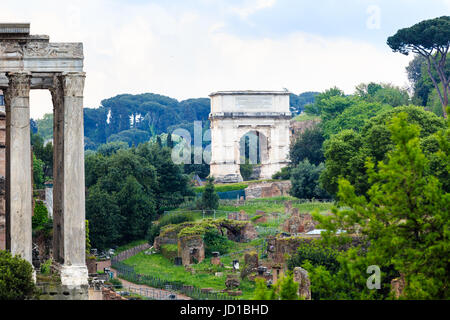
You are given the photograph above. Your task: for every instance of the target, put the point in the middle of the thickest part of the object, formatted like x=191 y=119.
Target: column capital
x=19 y=85
x=73 y=83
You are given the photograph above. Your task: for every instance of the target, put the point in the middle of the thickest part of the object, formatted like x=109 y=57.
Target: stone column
x=69 y=194
x=18 y=164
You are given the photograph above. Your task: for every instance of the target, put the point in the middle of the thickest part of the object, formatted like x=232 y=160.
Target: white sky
x=188 y=49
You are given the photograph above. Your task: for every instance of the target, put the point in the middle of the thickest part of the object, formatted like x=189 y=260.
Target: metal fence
x=129 y=253
x=203 y=213
x=128 y=273
x=146 y=293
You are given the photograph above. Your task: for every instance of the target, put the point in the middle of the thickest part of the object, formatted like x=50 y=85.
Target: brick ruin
x=268 y=189
x=191 y=249
x=299 y=223
x=304 y=284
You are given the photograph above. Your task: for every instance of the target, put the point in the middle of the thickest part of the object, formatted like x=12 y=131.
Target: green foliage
x=88 y=240
x=116 y=283
x=308 y=146
x=317 y=254
x=429 y=39
x=210 y=199
x=16 y=278
x=261 y=290
x=305 y=181
x=347 y=151
x=223 y=187
x=285 y=289
x=169 y=251
x=246 y=170
x=112 y=147
x=283 y=174
x=169 y=219
x=45 y=267
x=45 y=126
x=130 y=185
x=319 y=104
x=298 y=102
x=215 y=242
x=383 y=94
x=405 y=217
x=40 y=219
x=38 y=173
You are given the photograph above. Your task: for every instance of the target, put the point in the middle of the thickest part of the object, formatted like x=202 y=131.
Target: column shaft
x=69 y=190
x=18 y=166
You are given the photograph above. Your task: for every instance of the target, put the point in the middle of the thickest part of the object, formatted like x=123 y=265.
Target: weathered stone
x=299 y=223
x=398 y=286
x=268 y=189
x=191 y=250
x=32 y=62
x=232 y=281
x=239 y=216
x=304 y=284
x=18 y=164
x=236 y=113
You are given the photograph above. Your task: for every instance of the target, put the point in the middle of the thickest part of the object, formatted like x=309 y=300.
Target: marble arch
x=235 y=113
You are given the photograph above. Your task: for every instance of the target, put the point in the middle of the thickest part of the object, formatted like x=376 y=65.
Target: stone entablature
x=237 y=113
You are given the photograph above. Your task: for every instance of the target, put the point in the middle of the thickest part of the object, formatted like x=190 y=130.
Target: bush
x=214 y=241
x=284 y=174
x=45 y=267
x=305 y=181
x=116 y=283
x=169 y=251
x=16 y=278
x=317 y=254
x=173 y=218
x=246 y=170
x=210 y=199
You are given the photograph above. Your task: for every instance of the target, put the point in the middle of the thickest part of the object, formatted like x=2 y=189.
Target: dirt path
x=145 y=290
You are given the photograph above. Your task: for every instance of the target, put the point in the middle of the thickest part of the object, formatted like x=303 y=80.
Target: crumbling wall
x=299 y=223
x=191 y=250
x=268 y=189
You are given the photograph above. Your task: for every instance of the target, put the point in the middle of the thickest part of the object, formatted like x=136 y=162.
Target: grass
x=204 y=277
x=306 y=117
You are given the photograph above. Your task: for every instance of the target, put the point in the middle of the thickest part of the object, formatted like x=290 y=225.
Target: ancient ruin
x=33 y=62
x=235 y=114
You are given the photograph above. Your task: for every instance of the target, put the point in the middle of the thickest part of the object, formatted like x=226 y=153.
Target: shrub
x=169 y=251
x=317 y=254
x=214 y=241
x=284 y=174
x=173 y=218
x=45 y=267
x=16 y=278
x=116 y=283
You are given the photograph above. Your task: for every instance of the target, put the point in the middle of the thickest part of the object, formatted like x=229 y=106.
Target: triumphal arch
x=33 y=62
x=264 y=117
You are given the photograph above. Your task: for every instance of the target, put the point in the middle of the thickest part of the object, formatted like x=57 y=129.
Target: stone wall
x=268 y=189
x=298 y=127
x=2 y=176
x=191 y=250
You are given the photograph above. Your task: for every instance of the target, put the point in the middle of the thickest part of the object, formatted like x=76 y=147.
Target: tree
x=169 y=141
x=347 y=151
x=38 y=172
x=317 y=107
x=16 y=278
x=405 y=217
x=305 y=181
x=308 y=145
x=431 y=40
x=210 y=199
x=104 y=218
x=261 y=290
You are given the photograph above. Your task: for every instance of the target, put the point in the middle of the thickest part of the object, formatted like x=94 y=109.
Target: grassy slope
x=157 y=265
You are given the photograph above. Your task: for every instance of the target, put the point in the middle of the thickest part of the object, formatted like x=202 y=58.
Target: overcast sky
x=190 y=48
